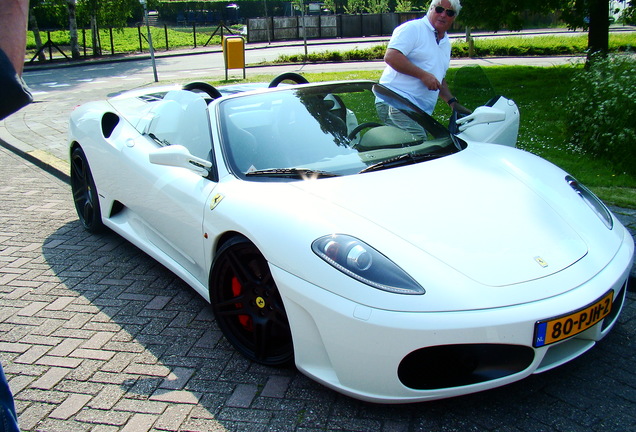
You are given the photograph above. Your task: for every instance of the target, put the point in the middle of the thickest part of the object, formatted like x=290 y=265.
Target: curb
x=46 y=161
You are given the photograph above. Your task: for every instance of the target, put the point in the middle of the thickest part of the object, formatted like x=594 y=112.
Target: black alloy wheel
x=247 y=305
x=85 y=193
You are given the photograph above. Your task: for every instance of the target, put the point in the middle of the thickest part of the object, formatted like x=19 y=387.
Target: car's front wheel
x=247 y=305
x=84 y=192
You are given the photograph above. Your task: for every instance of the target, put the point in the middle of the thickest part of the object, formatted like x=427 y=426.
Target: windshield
x=326 y=130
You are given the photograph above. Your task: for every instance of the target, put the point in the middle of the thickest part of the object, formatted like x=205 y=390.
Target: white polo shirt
x=417 y=41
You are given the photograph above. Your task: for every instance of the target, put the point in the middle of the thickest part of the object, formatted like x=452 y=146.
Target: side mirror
x=179 y=157
x=496 y=124
x=481 y=115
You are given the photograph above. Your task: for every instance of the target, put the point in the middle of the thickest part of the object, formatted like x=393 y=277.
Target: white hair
x=455 y=5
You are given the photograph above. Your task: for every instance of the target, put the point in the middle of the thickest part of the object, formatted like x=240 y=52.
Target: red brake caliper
x=245 y=320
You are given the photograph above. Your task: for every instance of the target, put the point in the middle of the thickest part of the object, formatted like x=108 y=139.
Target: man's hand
x=429 y=80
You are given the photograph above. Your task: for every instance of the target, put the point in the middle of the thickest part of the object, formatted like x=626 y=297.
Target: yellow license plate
x=556 y=329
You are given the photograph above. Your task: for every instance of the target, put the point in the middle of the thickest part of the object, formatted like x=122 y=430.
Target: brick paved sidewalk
x=95 y=336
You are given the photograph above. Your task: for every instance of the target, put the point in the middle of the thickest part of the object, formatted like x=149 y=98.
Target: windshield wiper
x=298 y=173
x=405 y=159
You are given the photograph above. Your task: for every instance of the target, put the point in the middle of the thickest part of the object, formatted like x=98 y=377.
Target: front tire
x=85 y=193
x=247 y=305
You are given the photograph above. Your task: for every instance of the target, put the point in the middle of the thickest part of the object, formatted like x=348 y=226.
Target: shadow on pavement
x=165 y=347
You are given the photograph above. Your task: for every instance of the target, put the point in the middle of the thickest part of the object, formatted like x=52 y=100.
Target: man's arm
x=402 y=64
x=444 y=92
x=446 y=95
x=14 y=94
x=13 y=31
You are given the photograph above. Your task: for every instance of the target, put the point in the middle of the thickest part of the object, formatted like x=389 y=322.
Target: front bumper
x=381 y=355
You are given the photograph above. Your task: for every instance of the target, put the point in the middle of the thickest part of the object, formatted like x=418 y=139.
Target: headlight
x=363 y=263
x=592 y=200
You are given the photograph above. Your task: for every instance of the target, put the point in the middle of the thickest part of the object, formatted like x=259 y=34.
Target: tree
x=377 y=6
x=598 y=34
x=72 y=24
x=592 y=15
x=33 y=25
x=403 y=6
x=354 y=6
x=628 y=16
x=84 y=13
x=106 y=14
x=495 y=15
x=330 y=5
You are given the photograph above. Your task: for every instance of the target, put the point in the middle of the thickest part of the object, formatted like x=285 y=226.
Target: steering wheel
x=288 y=76
x=360 y=127
x=203 y=87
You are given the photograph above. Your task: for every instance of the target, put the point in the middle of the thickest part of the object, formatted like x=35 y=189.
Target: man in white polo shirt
x=417 y=58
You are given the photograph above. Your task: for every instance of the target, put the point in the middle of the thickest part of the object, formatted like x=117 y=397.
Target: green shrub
x=601 y=111
x=539 y=45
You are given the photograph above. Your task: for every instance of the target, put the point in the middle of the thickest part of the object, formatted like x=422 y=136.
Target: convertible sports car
x=392 y=264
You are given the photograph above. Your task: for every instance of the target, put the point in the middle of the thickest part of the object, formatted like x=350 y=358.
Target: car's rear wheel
x=247 y=305
x=84 y=192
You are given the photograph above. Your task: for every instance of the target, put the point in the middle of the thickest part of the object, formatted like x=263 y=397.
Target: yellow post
x=234 y=53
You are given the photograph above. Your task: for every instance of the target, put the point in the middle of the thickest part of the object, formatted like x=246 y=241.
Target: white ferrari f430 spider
x=389 y=257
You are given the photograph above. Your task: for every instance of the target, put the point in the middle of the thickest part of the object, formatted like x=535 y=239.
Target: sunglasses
x=449 y=12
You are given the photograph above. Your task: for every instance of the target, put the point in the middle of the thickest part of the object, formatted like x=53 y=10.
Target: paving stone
x=176 y=396
x=34 y=414
x=140 y=423
x=173 y=417
x=108 y=396
x=242 y=396
x=140 y=406
x=101 y=417
x=276 y=386
x=50 y=379
x=71 y=406
x=14 y=347
x=33 y=354
x=66 y=347
x=178 y=378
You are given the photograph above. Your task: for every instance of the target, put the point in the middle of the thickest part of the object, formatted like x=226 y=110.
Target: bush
x=602 y=108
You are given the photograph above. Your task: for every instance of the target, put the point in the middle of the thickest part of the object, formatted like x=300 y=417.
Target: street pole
x=302 y=13
x=152 y=50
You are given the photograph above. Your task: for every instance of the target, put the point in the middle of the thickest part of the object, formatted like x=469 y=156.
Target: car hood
x=469 y=211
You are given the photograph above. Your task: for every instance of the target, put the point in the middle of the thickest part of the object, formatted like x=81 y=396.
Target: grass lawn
x=541 y=94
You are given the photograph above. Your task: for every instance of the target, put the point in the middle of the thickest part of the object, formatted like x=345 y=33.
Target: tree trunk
x=72 y=24
x=598 y=36
x=33 y=23
x=97 y=49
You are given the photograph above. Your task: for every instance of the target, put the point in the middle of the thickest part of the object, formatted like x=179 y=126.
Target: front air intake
x=448 y=366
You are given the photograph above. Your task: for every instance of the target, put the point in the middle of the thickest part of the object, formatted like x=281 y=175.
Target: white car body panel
x=452 y=224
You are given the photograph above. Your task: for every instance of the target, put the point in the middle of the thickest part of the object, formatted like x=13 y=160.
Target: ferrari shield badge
x=215 y=201
x=543 y=263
